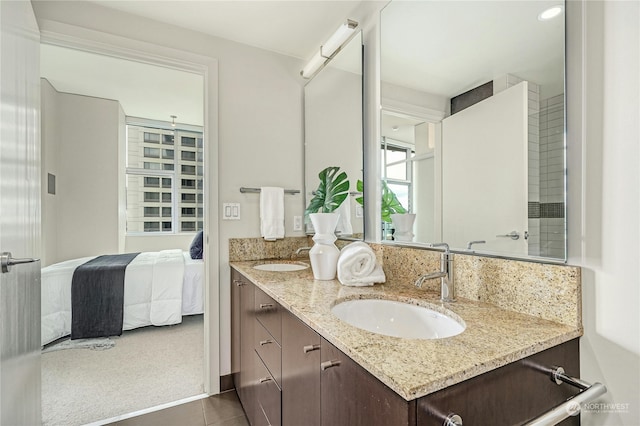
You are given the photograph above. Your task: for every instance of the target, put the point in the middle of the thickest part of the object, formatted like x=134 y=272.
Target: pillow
x=196 y=246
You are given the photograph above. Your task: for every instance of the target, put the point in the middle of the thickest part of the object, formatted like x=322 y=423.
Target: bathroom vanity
x=295 y=363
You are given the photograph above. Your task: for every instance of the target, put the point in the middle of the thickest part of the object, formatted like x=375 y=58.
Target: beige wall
x=49 y=164
x=81 y=146
x=604 y=228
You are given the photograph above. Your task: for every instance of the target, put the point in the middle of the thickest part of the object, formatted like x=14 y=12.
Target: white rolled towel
x=357 y=266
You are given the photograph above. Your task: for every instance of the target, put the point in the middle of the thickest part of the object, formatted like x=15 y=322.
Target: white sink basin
x=281 y=267
x=397 y=319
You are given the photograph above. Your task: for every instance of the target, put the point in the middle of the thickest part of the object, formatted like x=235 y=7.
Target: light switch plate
x=230 y=211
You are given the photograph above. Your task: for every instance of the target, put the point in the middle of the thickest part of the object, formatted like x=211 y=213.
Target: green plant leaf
x=390 y=203
x=331 y=191
x=360 y=189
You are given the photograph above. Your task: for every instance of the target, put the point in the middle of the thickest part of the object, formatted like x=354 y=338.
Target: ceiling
x=293 y=28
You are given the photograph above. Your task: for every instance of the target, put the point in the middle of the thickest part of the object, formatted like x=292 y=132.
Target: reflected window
x=397 y=170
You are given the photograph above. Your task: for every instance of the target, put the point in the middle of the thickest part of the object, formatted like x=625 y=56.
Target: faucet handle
x=475 y=242
x=445 y=245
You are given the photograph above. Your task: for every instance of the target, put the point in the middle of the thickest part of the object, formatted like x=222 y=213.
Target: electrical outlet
x=297 y=223
x=359 y=211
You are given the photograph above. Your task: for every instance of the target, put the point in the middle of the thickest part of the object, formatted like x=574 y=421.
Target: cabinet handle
x=309 y=348
x=238 y=283
x=453 y=420
x=265 y=379
x=329 y=364
x=266 y=305
x=265 y=342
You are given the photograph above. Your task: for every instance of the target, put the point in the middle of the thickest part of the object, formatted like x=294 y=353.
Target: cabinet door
x=509 y=395
x=247 y=374
x=300 y=373
x=267 y=394
x=351 y=396
x=236 y=283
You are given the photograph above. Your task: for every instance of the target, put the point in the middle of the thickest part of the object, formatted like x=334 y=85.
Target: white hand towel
x=357 y=266
x=271 y=213
x=344 y=222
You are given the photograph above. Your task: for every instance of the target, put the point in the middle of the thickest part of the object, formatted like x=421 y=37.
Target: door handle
x=7 y=261
x=514 y=235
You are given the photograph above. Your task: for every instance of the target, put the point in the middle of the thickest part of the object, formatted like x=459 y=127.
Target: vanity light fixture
x=330 y=48
x=550 y=13
x=173 y=120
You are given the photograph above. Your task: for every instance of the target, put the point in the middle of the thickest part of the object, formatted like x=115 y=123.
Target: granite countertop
x=412 y=368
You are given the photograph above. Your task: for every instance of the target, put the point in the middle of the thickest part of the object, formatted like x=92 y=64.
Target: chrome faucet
x=446 y=275
x=300 y=250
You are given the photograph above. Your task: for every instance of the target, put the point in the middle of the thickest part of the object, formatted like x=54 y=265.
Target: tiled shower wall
x=546 y=170
x=552 y=177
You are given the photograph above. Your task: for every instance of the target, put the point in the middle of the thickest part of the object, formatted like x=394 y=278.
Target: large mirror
x=472 y=124
x=333 y=131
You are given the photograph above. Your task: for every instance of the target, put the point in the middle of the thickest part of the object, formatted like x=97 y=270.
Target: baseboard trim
x=226 y=383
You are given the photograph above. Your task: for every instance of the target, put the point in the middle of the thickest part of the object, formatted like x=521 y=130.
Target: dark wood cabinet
x=510 y=395
x=242 y=345
x=267 y=395
x=286 y=373
x=350 y=395
x=236 y=284
x=300 y=373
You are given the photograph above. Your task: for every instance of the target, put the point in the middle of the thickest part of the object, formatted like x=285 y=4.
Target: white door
x=485 y=173
x=19 y=214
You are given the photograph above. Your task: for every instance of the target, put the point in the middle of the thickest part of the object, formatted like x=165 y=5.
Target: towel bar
x=352 y=193
x=571 y=406
x=257 y=190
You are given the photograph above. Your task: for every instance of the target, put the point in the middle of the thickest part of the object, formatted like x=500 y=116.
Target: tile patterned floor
x=218 y=410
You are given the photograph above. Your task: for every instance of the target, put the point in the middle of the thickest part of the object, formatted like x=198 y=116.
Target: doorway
x=150 y=94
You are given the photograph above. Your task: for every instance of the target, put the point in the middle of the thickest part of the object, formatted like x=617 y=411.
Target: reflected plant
x=389 y=201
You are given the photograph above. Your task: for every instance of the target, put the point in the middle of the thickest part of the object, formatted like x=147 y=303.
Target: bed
x=159 y=288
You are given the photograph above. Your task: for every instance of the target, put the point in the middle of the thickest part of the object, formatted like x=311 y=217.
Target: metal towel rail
x=257 y=190
x=571 y=406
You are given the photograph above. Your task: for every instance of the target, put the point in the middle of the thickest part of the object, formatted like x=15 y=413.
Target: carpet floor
x=146 y=367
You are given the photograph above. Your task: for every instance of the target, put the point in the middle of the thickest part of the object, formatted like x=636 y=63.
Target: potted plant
x=331 y=192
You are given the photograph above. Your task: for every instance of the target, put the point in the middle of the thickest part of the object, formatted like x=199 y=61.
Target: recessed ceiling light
x=550 y=13
x=395 y=128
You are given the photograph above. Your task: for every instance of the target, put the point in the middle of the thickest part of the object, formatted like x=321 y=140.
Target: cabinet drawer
x=270 y=352
x=268 y=312
x=267 y=393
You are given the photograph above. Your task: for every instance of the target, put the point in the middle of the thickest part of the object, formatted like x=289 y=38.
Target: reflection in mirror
x=333 y=131
x=473 y=128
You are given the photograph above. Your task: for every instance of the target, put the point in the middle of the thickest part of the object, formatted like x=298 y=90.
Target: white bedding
x=159 y=288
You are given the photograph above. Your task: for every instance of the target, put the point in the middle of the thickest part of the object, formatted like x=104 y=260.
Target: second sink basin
x=397 y=319
x=281 y=267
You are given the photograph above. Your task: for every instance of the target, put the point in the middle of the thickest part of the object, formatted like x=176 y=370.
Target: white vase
x=403 y=225
x=324 y=253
